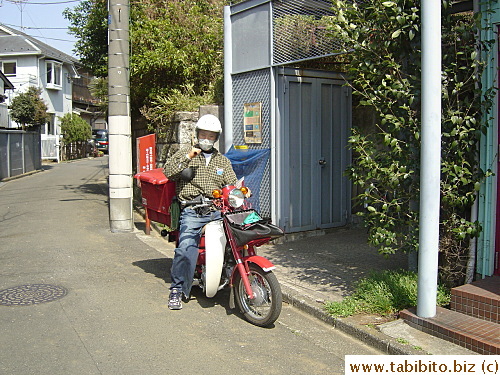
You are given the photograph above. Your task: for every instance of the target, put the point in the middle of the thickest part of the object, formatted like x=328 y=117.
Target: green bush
x=383 y=293
x=74 y=128
x=29 y=109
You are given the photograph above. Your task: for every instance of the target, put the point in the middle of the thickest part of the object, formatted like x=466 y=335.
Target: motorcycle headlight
x=236 y=198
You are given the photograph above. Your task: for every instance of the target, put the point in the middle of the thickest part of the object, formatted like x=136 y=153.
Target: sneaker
x=175 y=300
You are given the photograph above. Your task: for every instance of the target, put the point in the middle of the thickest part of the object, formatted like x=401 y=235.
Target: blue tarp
x=250 y=164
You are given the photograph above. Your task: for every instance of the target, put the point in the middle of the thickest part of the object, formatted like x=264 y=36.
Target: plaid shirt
x=215 y=175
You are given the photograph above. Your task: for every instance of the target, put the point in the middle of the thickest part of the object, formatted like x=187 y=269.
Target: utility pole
x=430 y=159
x=120 y=139
x=228 y=80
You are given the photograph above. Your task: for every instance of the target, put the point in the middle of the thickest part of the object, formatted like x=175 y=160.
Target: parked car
x=101 y=139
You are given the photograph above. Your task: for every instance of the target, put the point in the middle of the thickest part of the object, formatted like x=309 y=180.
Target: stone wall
x=179 y=133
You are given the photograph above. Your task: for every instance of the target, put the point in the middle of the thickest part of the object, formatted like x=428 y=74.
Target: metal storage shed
x=304 y=117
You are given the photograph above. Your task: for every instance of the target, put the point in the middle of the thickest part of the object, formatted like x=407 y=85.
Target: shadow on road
x=159 y=267
x=95 y=188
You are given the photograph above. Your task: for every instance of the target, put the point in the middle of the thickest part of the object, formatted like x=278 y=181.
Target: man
x=211 y=170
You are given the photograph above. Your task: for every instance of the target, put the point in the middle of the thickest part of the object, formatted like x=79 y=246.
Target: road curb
x=7 y=179
x=368 y=335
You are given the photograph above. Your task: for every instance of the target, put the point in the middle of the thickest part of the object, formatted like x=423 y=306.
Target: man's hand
x=194 y=152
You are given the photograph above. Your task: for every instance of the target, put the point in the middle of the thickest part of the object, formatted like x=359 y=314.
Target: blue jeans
x=186 y=254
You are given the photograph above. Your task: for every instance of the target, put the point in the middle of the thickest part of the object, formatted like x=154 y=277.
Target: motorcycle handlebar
x=198 y=202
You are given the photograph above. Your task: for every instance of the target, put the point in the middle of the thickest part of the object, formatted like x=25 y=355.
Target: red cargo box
x=157 y=194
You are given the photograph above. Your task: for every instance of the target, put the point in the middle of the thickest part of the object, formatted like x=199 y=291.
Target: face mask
x=206 y=144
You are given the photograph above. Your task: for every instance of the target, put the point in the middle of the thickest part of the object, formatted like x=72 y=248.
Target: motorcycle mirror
x=187 y=174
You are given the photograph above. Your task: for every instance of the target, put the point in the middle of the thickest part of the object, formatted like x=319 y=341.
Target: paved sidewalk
x=315 y=270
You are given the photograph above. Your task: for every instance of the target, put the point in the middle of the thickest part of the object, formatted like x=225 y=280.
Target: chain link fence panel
x=254 y=87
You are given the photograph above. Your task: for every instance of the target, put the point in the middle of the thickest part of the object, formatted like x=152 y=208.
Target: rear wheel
x=265 y=308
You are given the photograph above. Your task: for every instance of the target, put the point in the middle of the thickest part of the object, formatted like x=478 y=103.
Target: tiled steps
x=480 y=299
x=472 y=321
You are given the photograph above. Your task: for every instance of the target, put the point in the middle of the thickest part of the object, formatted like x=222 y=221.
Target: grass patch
x=383 y=293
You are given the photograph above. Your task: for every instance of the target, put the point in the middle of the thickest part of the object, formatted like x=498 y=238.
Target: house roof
x=15 y=42
x=7 y=84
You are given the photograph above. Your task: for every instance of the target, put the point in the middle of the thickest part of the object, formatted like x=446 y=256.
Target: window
x=9 y=68
x=49 y=127
x=54 y=73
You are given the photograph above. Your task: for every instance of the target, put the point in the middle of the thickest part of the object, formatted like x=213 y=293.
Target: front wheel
x=264 y=309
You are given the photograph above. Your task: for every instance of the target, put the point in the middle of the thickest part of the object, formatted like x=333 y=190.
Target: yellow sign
x=252 y=122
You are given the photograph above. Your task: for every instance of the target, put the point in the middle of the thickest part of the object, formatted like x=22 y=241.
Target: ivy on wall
x=384 y=41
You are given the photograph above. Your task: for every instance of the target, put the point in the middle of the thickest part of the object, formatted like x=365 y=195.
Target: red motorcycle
x=228 y=256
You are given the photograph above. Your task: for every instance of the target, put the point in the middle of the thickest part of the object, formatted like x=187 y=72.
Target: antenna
x=21 y=4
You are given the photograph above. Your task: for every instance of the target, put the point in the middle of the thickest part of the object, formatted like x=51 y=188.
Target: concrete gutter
x=369 y=336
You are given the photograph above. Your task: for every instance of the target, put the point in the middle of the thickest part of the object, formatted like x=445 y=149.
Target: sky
x=41 y=19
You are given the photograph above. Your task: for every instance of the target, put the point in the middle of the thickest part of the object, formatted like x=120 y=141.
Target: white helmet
x=210 y=123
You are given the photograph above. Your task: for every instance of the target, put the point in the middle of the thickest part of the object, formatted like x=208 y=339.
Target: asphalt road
x=112 y=316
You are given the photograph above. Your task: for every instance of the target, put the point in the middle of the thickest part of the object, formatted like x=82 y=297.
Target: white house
x=26 y=62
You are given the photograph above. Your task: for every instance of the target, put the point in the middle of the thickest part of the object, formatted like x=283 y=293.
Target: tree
x=384 y=40
x=176 y=52
x=98 y=87
x=89 y=24
x=29 y=109
x=74 y=128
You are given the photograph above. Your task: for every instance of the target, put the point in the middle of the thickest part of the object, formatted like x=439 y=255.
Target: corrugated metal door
x=301 y=155
x=316 y=115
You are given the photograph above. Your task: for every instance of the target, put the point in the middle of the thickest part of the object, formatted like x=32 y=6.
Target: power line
x=40 y=37
x=34 y=28
x=44 y=37
x=21 y=4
